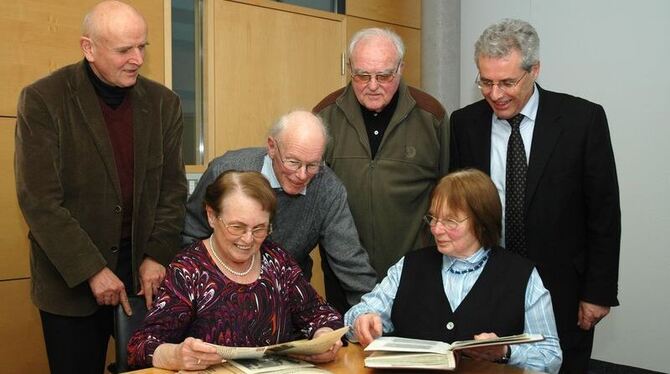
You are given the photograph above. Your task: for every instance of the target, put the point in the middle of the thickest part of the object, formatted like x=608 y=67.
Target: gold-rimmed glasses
x=237 y=229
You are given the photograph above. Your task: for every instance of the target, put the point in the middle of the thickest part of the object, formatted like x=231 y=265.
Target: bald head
x=108 y=16
x=114 y=36
x=296 y=145
x=300 y=124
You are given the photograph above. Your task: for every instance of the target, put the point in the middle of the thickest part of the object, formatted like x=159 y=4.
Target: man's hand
x=368 y=327
x=152 y=274
x=108 y=289
x=590 y=314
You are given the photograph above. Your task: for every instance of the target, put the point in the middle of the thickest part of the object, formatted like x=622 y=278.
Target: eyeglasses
x=363 y=77
x=236 y=229
x=448 y=223
x=295 y=165
x=486 y=85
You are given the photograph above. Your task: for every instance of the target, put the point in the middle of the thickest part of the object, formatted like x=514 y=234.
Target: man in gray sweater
x=312 y=203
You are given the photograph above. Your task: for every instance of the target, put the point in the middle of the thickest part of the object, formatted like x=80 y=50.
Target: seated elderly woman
x=235 y=288
x=465 y=287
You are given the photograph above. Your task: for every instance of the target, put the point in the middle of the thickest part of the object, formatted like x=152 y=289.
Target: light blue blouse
x=544 y=356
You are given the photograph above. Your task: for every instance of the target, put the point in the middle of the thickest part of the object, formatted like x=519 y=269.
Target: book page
x=230 y=353
x=269 y=364
x=502 y=340
x=399 y=360
x=397 y=344
x=302 y=347
x=320 y=344
x=229 y=368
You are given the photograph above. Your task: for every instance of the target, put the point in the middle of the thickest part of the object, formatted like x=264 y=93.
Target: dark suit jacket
x=69 y=190
x=573 y=219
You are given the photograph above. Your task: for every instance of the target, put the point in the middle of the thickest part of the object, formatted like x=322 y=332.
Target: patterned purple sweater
x=196 y=299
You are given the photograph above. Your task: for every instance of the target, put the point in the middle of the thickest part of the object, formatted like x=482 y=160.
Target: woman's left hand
x=191 y=354
x=490 y=353
x=326 y=356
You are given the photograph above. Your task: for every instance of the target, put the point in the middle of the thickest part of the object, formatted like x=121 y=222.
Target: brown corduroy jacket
x=69 y=190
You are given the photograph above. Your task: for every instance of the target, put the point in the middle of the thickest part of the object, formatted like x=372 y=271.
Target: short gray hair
x=279 y=126
x=500 y=39
x=87 y=27
x=377 y=32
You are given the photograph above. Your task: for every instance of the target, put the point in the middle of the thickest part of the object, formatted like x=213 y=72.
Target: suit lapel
x=480 y=139
x=89 y=106
x=141 y=132
x=545 y=135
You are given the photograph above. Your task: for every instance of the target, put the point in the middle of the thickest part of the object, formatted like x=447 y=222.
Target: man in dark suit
x=100 y=182
x=568 y=218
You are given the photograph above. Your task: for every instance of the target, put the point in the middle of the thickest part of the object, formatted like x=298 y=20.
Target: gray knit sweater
x=321 y=216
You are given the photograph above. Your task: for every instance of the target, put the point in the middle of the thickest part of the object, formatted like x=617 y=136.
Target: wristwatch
x=505 y=358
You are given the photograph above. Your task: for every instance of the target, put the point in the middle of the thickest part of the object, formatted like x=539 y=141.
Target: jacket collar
x=88 y=103
x=547 y=131
x=350 y=107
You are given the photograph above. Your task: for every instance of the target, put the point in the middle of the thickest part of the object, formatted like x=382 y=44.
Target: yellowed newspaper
x=320 y=344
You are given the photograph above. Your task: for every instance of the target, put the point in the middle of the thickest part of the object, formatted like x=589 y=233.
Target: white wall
x=616 y=53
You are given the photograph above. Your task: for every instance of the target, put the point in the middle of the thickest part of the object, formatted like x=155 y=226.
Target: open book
x=394 y=352
x=320 y=344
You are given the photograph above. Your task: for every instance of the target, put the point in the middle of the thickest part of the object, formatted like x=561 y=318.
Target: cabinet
x=263 y=60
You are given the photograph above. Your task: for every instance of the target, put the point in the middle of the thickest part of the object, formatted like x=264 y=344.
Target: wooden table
x=350 y=361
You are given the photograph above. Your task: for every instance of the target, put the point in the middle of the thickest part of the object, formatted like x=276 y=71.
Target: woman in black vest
x=464 y=287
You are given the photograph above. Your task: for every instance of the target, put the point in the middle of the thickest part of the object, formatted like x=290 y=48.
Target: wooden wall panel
x=267 y=62
x=404 y=12
x=13 y=230
x=410 y=36
x=22 y=349
x=40 y=36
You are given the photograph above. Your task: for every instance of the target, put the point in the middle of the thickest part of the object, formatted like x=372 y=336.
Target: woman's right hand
x=191 y=354
x=368 y=327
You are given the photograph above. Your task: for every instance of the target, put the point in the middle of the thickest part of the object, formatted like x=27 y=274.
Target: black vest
x=496 y=302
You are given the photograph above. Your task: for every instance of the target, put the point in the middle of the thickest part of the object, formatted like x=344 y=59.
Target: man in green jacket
x=389 y=147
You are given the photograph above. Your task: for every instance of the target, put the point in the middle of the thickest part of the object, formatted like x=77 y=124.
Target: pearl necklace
x=238 y=273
